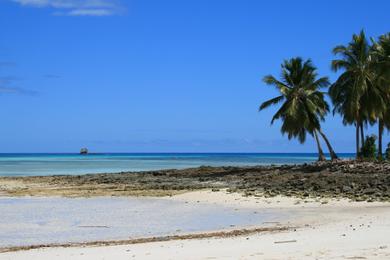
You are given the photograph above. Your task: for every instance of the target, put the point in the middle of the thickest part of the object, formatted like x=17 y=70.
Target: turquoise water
x=55 y=164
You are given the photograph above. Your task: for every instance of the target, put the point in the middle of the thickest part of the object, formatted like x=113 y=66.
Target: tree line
x=361 y=94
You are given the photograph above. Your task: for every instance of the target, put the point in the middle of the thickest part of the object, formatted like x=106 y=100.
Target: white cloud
x=6 y=87
x=77 y=7
x=91 y=12
x=18 y=91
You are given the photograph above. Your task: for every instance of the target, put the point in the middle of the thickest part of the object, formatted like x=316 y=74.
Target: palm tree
x=381 y=60
x=303 y=105
x=352 y=93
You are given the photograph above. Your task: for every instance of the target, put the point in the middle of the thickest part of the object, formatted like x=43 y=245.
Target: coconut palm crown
x=303 y=105
x=354 y=94
x=381 y=64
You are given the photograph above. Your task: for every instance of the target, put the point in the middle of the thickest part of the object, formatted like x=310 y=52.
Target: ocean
x=72 y=164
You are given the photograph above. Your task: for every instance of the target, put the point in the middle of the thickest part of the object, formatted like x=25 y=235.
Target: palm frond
x=270 y=102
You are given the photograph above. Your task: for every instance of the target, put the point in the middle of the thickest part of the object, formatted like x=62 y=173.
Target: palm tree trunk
x=380 y=133
x=321 y=156
x=357 y=142
x=362 y=134
x=333 y=155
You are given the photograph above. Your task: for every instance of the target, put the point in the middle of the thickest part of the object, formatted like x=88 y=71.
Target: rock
x=346 y=188
x=369 y=191
x=83 y=151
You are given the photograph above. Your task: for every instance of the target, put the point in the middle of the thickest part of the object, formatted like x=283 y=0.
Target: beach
x=194 y=130
x=338 y=229
x=327 y=210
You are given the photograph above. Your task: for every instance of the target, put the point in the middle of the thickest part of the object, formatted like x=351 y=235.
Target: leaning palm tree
x=303 y=105
x=353 y=94
x=381 y=64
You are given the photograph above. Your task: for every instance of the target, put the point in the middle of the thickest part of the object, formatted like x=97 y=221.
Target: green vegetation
x=361 y=94
x=369 y=148
x=381 y=60
x=354 y=95
x=387 y=154
x=304 y=106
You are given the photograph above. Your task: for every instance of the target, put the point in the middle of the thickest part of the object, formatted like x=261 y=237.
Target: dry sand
x=326 y=229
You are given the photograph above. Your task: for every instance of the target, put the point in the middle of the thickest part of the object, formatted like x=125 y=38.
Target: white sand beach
x=323 y=229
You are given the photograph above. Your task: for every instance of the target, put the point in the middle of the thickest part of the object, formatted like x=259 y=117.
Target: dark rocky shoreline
x=360 y=181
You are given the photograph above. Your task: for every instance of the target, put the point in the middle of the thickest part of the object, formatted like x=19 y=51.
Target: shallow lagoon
x=50 y=164
x=32 y=221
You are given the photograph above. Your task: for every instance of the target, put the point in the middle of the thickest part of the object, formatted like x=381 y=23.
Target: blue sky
x=163 y=76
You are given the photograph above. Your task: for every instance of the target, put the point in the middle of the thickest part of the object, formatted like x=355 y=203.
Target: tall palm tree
x=381 y=60
x=351 y=93
x=303 y=105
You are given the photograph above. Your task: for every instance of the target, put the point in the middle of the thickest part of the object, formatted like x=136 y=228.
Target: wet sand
x=325 y=229
x=41 y=221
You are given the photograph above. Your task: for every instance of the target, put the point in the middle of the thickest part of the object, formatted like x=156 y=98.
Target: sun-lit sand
x=323 y=229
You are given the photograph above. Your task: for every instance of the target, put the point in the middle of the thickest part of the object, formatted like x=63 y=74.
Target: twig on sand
x=285 y=241
x=93 y=226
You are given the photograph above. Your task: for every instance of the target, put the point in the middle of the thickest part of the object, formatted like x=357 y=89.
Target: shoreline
x=337 y=229
x=190 y=236
x=359 y=181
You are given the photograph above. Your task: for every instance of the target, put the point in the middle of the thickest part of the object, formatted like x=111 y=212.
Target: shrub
x=387 y=153
x=369 y=147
